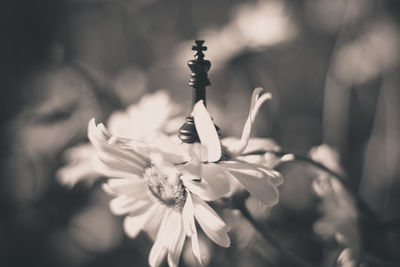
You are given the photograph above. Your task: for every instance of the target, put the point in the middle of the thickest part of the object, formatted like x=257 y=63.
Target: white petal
x=198 y=152
x=256 y=101
x=257 y=181
x=113 y=162
x=211 y=223
x=191 y=170
x=188 y=216
x=178 y=239
x=173 y=124
x=123 y=148
x=159 y=250
x=100 y=136
x=134 y=224
x=112 y=156
x=201 y=188
x=79 y=165
x=161 y=144
x=120 y=124
x=259 y=146
x=256 y=208
x=190 y=228
x=206 y=130
x=196 y=249
x=217 y=178
x=157 y=254
x=206 y=180
x=327 y=156
x=173 y=227
x=152 y=226
x=134 y=188
x=79 y=153
x=114 y=169
x=254 y=144
x=348 y=257
x=155 y=111
x=267 y=159
x=274 y=176
x=143 y=118
x=125 y=204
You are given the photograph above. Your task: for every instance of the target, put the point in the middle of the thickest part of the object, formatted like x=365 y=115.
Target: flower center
x=166 y=186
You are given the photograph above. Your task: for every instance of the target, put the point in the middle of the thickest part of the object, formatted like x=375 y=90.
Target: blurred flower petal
x=124 y=204
x=166 y=147
x=259 y=183
x=133 y=224
x=79 y=165
x=253 y=145
x=128 y=187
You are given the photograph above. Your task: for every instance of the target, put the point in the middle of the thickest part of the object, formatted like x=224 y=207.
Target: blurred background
x=331 y=66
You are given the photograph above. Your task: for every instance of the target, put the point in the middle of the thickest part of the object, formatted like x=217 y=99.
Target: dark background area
x=331 y=66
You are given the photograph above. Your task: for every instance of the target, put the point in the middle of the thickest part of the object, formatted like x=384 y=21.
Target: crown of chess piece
x=199 y=81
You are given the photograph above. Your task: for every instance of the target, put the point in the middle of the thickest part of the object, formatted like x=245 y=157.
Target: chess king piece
x=199 y=81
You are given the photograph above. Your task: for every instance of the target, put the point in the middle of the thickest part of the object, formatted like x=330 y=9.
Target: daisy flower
x=161 y=185
x=147 y=184
x=338 y=206
x=339 y=213
x=232 y=160
x=154 y=112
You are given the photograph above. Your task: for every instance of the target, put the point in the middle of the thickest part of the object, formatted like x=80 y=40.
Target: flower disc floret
x=170 y=193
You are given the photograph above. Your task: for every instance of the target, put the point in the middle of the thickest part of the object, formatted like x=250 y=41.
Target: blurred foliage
x=332 y=67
